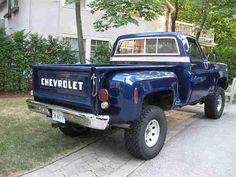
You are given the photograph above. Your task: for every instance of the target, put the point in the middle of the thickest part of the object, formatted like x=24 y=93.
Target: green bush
x=20 y=50
x=226 y=53
x=102 y=54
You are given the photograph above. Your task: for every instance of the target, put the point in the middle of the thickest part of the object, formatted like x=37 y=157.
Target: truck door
x=201 y=78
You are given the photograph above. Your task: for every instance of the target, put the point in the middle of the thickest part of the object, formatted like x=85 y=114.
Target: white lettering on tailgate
x=66 y=84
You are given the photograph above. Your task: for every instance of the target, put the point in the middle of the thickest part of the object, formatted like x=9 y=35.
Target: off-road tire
x=135 y=135
x=211 y=104
x=72 y=130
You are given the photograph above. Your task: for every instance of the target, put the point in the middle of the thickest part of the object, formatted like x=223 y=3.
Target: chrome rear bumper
x=85 y=119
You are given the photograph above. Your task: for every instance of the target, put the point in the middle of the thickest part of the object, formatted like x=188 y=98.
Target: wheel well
x=222 y=82
x=162 y=99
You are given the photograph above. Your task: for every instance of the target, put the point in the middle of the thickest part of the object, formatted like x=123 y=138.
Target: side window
x=194 y=51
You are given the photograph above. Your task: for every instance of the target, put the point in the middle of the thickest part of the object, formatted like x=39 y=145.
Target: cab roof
x=150 y=34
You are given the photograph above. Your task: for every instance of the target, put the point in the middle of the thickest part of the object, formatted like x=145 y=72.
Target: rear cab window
x=148 y=46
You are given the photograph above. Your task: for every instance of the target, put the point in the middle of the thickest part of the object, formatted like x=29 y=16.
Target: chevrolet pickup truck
x=149 y=73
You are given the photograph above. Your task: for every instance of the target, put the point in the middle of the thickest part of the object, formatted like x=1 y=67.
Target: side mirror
x=211 y=57
x=208 y=57
x=214 y=57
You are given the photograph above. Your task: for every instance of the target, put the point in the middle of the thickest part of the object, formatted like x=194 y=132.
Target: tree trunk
x=79 y=32
x=174 y=16
x=203 y=20
x=173 y=22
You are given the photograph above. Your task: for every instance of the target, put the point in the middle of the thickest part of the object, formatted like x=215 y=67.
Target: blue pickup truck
x=149 y=74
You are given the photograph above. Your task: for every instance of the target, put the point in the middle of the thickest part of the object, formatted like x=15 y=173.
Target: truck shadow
x=107 y=154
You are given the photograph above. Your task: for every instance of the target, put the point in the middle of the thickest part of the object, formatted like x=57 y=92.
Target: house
x=55 y=17
x=206 y=39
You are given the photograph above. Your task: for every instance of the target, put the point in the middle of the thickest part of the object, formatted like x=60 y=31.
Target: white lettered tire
x=214 y=104
x=146 y=136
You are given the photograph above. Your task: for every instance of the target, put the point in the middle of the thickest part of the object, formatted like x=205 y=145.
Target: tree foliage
x=118 y=13
x=20 y=50
x=219 y=19
x=227 y=54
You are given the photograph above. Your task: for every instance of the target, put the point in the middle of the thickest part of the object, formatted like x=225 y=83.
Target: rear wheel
x=72 y=130
x=214 y=104
x=146 y=136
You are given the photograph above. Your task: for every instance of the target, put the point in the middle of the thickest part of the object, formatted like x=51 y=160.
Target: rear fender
x=122 y=86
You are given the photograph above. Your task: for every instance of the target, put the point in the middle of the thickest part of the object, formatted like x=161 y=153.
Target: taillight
x=135 y=96
x=30 y=85
x=103 y=95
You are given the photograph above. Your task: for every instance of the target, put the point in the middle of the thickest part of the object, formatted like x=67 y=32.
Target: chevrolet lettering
x=66 y=84
x=149 y=73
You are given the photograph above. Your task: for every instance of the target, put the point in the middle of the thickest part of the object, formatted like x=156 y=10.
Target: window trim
x=149 y=54
x=97 y=39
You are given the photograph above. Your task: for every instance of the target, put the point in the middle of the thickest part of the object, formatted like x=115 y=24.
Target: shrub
x=226 y=53
x=20 y=50
x=102 y=54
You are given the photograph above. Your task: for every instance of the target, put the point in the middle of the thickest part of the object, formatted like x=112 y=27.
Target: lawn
x=27 y=139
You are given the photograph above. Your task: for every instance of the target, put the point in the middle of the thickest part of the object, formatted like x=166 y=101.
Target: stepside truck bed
x=53 y=84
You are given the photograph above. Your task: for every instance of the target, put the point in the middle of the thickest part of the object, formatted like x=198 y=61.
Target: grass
x=27 y=139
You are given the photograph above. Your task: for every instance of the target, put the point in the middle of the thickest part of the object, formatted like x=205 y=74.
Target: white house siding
x=54 y=17
x=45 y=17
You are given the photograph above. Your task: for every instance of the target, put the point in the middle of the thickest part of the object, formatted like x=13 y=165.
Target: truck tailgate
x=65 y=85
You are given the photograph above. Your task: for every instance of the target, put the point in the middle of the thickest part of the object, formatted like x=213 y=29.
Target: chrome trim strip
x=152 y=59
x=85 y=119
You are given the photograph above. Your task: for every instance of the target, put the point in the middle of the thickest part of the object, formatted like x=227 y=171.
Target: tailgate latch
x=94 y=85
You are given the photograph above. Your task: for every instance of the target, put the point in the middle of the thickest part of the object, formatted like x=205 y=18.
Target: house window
x=73 y=42
x=14 y=3
x=95 y=44
x=2 y=23
x=13 y=7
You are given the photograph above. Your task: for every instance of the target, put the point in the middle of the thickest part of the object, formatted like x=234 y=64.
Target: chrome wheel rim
x=152 y=133
x=219 y=103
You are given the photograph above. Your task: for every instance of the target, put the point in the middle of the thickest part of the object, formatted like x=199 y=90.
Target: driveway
x=195 y=146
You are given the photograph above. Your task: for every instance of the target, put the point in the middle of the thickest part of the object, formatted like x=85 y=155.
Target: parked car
x=149 y=73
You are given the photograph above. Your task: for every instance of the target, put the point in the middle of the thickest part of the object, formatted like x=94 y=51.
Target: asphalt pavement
x=206 y=148
x=195 y=147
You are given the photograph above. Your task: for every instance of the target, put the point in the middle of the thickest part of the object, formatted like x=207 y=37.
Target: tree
x=204 y=13
x=121 y=12
x=177 y=4
x=217 y=17
x=116 y=13
x=79 y=31
x=204 y=5
x=79 y=28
